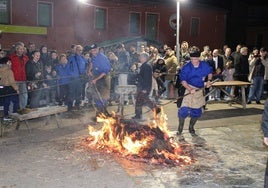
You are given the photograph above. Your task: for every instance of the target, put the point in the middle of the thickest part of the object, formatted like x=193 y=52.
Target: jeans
x=23 y=96
x=15 y=100
x=75 y=92
x=256 y=88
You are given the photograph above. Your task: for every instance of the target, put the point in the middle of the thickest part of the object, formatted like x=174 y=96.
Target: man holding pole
x=192 y=78
x=99 y=70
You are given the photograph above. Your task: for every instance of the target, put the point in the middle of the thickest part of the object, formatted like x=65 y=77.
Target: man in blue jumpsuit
x=99 y=70
x=192 y=79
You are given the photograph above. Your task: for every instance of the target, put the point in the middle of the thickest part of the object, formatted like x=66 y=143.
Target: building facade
x=60 y=23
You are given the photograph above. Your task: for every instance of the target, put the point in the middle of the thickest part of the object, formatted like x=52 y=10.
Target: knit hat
x=194 y=51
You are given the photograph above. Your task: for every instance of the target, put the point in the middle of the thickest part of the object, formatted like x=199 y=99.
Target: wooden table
x=222 y=86
x=39 y=112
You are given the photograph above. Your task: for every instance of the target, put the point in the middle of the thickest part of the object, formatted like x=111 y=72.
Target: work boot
x=180 y=137
x=181 y=125
x=157 y=110
x=191 y=126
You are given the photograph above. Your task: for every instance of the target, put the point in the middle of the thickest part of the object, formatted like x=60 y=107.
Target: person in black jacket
x=34 y=74
x=264 y=126
x=256 y=88
x=144 y=87
x=241 y=69
x=159 y=73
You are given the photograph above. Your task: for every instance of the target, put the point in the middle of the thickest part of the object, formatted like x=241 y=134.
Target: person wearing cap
x=8 y=88
x=192 y=78
x=99 y=70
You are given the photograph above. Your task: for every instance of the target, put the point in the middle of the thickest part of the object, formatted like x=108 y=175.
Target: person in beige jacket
x=8 y=88
x=171 y=65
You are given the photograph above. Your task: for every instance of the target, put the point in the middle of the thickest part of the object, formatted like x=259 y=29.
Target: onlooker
x=114 y=75
x=228 y=73
x=171 y=65
x=236 y=54
x=264 y=60
x=124 y=66
x=159 y=72
x=30 y=49
x=53 y=60
x=134 y=56
x=34 y=73
x=78 y=66
x=50 y=84
x=8 y=88
x=218 y=60
x=204 y=53
x=2 y=53
x=44 y=56
x=184 y=53
x=241 y=69
x=227 y=56
x=257 y=77
x=63 y=72
x=18 y=64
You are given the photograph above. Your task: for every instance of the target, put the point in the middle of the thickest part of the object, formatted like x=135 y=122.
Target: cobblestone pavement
x=229 y=152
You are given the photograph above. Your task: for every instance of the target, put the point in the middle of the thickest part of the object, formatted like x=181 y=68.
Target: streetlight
x=178 y=31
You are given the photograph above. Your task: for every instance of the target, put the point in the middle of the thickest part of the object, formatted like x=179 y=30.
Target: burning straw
x=151 y=143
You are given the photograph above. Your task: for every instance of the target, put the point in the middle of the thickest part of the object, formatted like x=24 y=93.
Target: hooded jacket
x=7 y=77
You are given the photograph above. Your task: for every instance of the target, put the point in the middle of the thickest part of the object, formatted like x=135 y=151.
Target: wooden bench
x=37 y=113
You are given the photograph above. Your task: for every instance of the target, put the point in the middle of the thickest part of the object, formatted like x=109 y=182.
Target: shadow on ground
x=224 y=113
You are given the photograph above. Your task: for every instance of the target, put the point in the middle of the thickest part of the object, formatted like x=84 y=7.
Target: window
x=134 y=23
x=195 y=27
x=4 y=11
x=100 y=18
x=44 y=14
x=151 y=29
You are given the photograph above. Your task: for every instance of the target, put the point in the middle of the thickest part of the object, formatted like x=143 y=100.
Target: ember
x=151 y=143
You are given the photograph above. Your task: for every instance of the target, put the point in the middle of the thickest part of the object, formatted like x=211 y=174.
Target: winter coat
x=7 y=77
x=18 y=66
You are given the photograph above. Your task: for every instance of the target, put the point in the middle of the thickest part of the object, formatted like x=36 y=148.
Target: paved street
x=229 y=152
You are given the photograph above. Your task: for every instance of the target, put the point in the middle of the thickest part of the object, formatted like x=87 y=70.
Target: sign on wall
x=173 y=21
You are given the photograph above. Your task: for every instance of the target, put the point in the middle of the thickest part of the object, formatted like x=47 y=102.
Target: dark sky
x=217 y=3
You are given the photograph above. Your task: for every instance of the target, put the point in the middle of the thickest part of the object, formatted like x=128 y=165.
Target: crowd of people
x=34 y=77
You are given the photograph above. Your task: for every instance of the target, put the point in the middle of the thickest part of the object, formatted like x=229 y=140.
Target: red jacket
x=18 y=66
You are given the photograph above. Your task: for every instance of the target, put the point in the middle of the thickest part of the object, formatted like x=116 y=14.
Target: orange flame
x=152 y=141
